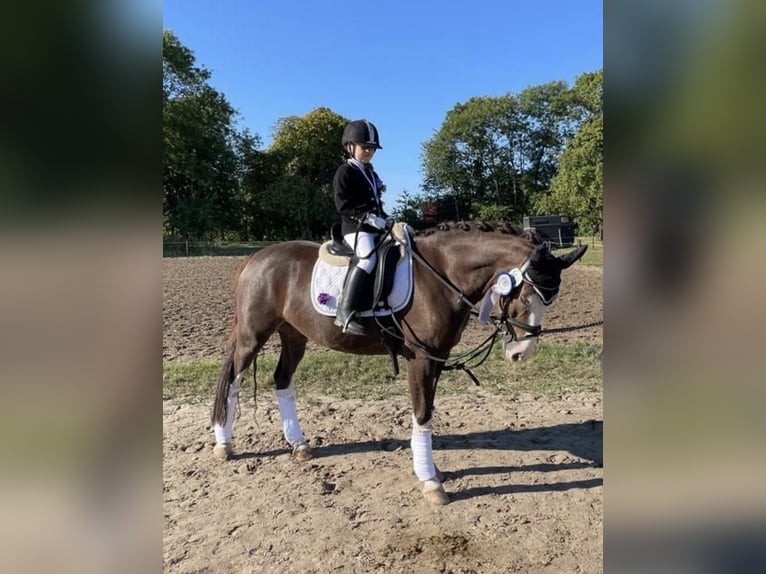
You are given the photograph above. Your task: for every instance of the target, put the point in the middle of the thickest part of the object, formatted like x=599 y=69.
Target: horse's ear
x=532 y=237
x=569 y=258
x=538 y=253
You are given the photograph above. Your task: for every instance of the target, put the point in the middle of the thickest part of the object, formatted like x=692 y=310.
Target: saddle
x=391 y=288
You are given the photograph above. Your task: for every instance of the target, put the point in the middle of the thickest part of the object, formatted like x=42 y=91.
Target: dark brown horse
x=455 y=267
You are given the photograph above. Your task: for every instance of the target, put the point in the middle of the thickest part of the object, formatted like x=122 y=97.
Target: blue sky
x=402 y=65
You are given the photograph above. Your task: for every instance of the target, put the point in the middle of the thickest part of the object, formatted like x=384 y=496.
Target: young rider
x=357 y=188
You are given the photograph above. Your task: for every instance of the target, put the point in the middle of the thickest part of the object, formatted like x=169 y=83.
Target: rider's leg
x=360 y=270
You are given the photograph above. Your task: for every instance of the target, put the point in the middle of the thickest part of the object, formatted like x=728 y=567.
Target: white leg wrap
x=422 y=453
x=223 y=433
x=290 y=425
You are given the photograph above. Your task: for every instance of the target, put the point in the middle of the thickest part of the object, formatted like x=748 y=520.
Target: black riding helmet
x=361 y=132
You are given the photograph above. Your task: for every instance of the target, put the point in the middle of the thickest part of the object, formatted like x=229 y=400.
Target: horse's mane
x=481 y=226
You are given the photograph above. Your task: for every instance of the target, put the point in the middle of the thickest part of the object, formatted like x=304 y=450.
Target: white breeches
x=365 y=249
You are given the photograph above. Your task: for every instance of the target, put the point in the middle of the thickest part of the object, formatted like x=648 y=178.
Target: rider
x=357 y=188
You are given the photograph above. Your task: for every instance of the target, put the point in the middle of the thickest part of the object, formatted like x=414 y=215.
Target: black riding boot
x=349 y=301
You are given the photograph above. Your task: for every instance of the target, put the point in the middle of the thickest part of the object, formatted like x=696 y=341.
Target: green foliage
x=408 y=209
x=588 y=94
x=201 y=149
x=179 y=74
x=578 y=188
x=539 y=151
x=470 y=158
x=310 y=145
x=495 y=154
x=493 y=212
x=218 y=184
x=290 y=185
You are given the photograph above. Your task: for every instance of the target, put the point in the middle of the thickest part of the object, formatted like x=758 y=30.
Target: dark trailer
x=557 y=229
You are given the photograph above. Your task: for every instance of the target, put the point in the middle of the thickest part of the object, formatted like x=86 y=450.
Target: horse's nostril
x=516 y=356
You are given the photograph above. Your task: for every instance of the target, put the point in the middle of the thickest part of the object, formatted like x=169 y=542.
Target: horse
x=456 y=267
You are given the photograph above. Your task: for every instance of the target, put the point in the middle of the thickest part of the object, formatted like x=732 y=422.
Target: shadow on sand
x=582 y=440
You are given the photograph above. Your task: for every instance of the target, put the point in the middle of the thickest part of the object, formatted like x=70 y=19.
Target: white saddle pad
x=327 y=286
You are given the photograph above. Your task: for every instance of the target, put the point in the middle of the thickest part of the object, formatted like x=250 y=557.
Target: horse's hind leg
x=227 y=395
x=243 y=347
x=293 y=349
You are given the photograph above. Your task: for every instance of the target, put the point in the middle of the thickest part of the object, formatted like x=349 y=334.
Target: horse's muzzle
x=520 y=349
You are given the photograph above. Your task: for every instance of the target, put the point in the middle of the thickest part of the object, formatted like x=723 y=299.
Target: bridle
x=503 y=324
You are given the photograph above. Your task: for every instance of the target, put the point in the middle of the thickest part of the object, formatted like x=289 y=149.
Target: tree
x=309 y=146
x=416 y=211
x=494 y=155
x=290 y=185
x=548 y=118
x=578 y=188
x=465 y=159
x=201 y=149
x=588 y=94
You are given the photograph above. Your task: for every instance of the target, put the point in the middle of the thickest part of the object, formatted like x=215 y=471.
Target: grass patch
x=553 y=370
x=192 y=382
x=593 y=256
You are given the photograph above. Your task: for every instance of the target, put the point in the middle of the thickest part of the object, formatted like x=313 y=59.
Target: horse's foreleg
x=422 y=377
x=423 y=463
x=293 y=349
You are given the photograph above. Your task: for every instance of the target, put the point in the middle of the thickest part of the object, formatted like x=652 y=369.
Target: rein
x=573 y=328
x=533 y=330
x=461 y=298
x=481 y=351
x=502 y=326
x=459 y=362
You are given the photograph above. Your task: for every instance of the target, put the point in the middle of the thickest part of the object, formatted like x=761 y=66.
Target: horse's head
x=525 y=306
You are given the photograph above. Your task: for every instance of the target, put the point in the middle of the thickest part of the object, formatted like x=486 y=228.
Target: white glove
x=375 y=221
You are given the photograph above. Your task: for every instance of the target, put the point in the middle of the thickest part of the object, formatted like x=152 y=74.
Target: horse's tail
x=225 y=377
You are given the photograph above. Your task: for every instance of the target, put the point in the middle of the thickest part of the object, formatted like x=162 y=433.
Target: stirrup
x=351 y=326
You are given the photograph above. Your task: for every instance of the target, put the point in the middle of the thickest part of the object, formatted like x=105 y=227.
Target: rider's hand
x=390 y=221
x=375 y=221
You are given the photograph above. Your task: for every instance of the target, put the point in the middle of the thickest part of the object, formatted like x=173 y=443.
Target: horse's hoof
x=434 y=493
x=223 y=451
x=302 y=452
